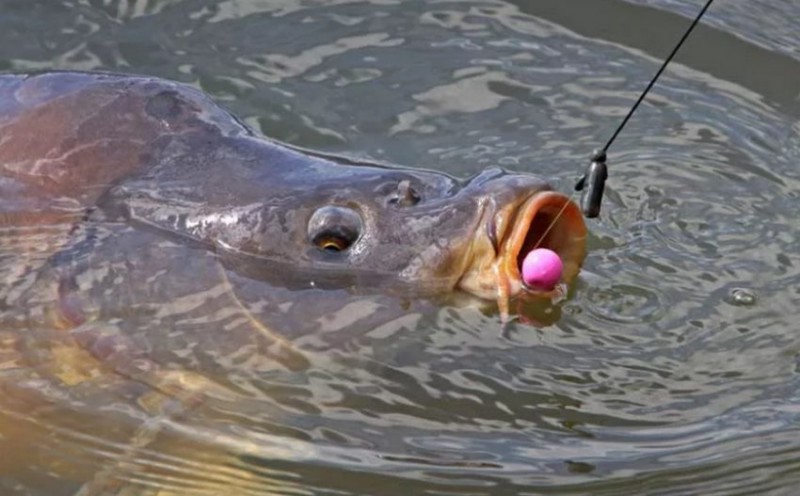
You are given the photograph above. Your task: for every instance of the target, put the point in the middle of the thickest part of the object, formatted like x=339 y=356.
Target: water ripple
x=670 y=368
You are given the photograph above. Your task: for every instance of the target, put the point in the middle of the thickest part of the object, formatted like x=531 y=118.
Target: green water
x=673 y=368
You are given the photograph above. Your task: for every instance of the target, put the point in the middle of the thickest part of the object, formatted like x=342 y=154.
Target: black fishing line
x=597 y=172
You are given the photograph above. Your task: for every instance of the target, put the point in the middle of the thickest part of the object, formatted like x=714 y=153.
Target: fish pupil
x=333 y=244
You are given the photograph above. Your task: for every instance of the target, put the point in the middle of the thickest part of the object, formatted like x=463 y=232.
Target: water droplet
x=742 y=297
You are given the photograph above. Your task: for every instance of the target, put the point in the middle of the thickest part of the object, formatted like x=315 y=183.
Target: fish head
x=425 y=232
x=300 y=220
x=333 y=224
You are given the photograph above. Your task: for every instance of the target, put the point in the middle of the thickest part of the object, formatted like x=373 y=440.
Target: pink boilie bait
x=541 y=269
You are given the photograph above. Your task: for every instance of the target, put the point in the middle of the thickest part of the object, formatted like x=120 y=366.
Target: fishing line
x=597 y=172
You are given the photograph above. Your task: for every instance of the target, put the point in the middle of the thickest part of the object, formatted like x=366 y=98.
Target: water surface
x=672 y=368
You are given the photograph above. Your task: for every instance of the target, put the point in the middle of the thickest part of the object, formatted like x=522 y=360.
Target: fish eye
x=334 y=228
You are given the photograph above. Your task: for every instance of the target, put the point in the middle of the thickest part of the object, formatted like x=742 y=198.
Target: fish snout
x=522 y=213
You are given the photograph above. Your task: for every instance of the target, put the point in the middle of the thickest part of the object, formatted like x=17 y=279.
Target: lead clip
x=593 y=182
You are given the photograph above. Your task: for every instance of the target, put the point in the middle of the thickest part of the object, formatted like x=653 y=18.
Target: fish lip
x=546 y=219
x=507 y=230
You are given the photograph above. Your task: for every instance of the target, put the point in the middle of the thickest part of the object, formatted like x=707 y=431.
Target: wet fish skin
x=161 y=155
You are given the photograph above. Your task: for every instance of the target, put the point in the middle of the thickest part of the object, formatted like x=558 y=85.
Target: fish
x=156 y=254
x=161 y=156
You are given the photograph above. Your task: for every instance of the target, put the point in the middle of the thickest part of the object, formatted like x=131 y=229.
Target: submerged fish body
x=155 y=252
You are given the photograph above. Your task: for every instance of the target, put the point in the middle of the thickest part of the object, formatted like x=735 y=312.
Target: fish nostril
x=405 y=195
x=407 y=192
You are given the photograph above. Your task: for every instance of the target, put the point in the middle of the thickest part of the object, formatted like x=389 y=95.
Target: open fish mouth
x=545 y=219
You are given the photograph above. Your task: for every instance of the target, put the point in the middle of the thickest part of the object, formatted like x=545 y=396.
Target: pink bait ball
x=541 y=269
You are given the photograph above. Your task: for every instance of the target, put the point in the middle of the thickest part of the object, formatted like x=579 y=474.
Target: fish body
x=158 y=258
x=87 y=148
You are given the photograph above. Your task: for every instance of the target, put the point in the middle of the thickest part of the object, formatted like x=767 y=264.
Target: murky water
x=671 y=369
